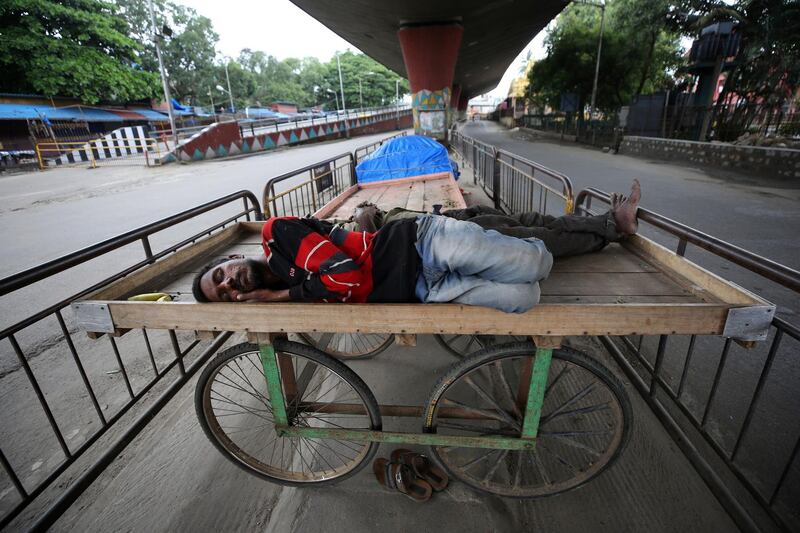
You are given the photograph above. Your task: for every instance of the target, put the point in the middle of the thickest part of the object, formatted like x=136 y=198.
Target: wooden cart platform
x=419 y=193
x=637 y=287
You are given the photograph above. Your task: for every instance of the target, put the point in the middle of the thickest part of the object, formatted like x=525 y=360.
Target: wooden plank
x=404 y=181
x=395 y=196
x=700 y=280
x=544 y=319
x=620 y=299
x=156 y=274
x=416 y=196
x=547 y=342
x=613 y=258
x=405 y=339
x=611 y=284
x=334 y=204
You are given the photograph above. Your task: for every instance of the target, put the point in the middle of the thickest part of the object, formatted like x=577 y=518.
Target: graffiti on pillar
x=430 y=112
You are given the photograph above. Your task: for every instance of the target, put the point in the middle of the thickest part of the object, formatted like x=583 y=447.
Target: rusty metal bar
x=81 y=371
x=121 y=366
x=717 y=376
x=40 y=395
x=782 y=274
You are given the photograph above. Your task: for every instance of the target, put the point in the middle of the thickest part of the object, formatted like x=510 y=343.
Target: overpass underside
x=449 y=50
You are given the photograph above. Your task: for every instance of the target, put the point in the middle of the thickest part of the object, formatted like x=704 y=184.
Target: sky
x=281 y=29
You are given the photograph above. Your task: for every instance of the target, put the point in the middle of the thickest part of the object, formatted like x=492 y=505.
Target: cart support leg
x=269 y=362
x=536 y=388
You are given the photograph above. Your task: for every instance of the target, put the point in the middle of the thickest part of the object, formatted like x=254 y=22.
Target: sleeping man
x=426 y=258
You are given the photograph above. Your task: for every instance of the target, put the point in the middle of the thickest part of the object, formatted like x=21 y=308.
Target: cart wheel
x=463 y=345
x=233 y=407
x=584 y=426
x=349 y=345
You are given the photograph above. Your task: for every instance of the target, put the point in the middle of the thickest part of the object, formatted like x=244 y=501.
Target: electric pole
x=341 y=88
x=164 y=80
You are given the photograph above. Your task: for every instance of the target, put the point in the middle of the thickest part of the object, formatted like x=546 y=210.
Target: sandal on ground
x=400 y=477
x=422 y=467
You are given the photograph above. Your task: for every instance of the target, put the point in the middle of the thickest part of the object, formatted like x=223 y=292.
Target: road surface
x=172 y=479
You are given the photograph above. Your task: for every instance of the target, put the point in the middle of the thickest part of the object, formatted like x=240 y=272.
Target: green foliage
x=767 y=69
x=377 y=85
x=640 y=51
x=77 y=48
x=188 y=54
x=96 y=51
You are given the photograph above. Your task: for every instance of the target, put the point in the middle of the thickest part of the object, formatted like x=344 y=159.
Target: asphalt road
x=171 y=479
x=758 y=215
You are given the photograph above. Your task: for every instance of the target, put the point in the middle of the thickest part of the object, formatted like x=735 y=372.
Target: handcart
x=520 y=419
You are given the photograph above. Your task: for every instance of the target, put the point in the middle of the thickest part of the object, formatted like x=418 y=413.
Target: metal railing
x=363 y=151
x=514 y=183
x=96 y=405
x=100 y=152
x=303 y=191
x=269 y=125
x=727 y=401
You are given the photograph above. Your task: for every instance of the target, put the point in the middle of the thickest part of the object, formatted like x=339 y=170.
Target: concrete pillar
x=463 y=103
x=430 y=52
x=452 y=111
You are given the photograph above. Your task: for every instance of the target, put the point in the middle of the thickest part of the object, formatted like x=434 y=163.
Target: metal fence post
x=39 y=157
x=353 y=179
x=496 y=178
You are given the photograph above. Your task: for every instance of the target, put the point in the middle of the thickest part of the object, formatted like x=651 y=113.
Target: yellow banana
x=148 y=297
x=165 y=298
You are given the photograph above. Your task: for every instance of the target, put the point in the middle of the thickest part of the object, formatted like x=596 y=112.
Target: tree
x=377 y=81
x=767 y=68
x=260 y=79
x=77 y=48
x=639 y=53
x=188 y=53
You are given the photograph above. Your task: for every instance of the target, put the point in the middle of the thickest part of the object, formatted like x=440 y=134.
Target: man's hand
x=262 y=295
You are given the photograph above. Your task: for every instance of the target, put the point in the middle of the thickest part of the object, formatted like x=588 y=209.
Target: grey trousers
x=563 y=236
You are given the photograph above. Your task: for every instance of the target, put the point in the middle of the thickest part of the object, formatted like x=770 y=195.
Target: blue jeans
x=463 y=263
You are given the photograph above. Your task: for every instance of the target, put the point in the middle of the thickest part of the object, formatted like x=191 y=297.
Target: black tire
x=508 y=352
x=368 y=350
x=463 y=345
x=213 y=429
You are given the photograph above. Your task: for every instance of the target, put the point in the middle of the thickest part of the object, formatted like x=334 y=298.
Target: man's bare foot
x=624 y=209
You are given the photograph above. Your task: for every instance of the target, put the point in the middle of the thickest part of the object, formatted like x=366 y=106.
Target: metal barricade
x=60 y=394
x=303 y=191
x=731 y=410
x=514 y=183
x=99 y=152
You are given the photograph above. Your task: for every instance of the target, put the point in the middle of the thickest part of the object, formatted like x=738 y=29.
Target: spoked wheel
x=349 y=345
x=585 y=421
x=233 y=406
x=463 y=345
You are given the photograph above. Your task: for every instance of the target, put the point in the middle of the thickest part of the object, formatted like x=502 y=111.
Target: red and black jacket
x=323 y=262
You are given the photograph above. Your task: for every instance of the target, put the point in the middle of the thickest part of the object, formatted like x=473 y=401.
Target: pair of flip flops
x=410 y=473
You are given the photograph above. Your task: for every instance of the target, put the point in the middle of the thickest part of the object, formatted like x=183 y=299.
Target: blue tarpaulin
x=404 y=157
x=39 y=112
x=178 y=107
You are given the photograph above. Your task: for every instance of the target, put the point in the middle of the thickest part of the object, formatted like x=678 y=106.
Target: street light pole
x=360 y=98
x=597 y=65
x=341 y=88
x=230 y=94
x=213 y=110
x=164 y=81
